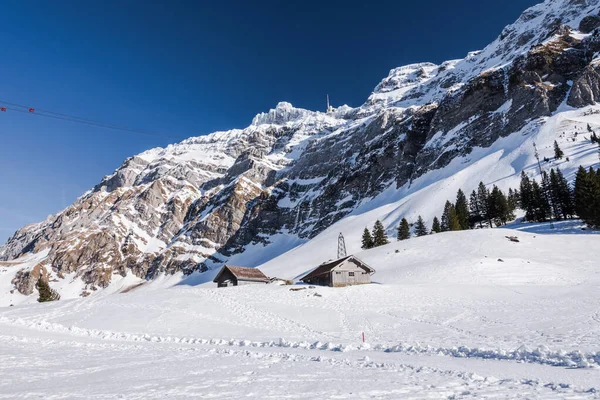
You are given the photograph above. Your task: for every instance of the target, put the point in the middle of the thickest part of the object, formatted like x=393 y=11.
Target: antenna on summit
x=329 y=108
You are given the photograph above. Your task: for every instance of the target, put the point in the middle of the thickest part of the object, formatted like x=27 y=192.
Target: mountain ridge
x=192 y=206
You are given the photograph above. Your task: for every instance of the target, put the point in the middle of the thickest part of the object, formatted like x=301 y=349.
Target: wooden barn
x=343 y=272
x=230 y=275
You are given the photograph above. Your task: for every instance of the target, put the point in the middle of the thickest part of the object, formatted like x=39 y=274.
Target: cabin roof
x=328 y=266
x=243 y=273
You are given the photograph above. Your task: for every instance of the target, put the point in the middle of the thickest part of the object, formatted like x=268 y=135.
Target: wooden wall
x=349 y=273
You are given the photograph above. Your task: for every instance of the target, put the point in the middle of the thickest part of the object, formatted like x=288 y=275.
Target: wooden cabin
x=346 y=271
x=230 y=275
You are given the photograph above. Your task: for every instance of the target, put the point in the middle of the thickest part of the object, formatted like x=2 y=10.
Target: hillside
x=294 y=176
x=445 y=318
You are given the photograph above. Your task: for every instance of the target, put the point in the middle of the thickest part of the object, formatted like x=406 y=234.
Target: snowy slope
x=444 y=319
x=500 y=164
x=296 y=177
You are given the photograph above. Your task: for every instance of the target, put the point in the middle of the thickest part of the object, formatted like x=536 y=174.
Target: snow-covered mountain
x=247 y=196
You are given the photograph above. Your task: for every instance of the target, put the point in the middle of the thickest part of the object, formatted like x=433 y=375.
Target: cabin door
x=351 y=278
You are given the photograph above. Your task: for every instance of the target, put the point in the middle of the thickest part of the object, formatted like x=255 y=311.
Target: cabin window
x=351 y=273
x=338 y=273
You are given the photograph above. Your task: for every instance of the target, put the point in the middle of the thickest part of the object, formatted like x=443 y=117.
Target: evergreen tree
x=420 y=228
x=561 y=195
x=554 y=195
x=379 y=236
x=462 y=209
x=45 y=292
x=449 y=218
x=565 y=194
x=403 y=230
x=498 y=207
x=512 y=200
x=558 y=153
x=541 y=205
x=475 y=216
x=527 y=197
x=587 y=196
x=367 y=240
x=436 y=227
x=482 y=199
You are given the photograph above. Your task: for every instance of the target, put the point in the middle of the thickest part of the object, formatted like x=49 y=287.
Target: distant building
x=236 y=276
x=343 y=272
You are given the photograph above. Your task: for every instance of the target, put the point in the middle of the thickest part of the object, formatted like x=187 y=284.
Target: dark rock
x=589 y=23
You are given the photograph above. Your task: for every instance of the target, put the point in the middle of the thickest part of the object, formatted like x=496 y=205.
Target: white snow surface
x=454 y=315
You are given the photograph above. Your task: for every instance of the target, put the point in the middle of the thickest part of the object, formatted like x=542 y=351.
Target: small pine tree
x=462 y=209
x=498 y=206
x=367 y=240
x=435 y=226
x=379 y=236
x=541 y=205
x=512 y=200
x=527 y=197
x=475 y=216
x=558 y=153
x=450 y=219
x=403 y=230
x=587 y=196
x=565 y=194
x=45 y=292
x=420 y=228
x=482 y=198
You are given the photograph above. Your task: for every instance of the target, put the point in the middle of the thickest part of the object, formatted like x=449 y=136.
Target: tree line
x=553 y=198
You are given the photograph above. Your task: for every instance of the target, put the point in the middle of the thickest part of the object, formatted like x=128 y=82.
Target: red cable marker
x=3 y=109
x=31 y=110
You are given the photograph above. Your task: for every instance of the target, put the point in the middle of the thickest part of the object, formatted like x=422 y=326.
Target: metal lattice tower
x=537 y=157
x=341 y=247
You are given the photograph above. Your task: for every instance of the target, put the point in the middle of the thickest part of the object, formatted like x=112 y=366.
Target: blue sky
x=186 y=68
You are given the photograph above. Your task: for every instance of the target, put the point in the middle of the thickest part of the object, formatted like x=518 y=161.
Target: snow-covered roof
x=243 y=274
x=327 y=267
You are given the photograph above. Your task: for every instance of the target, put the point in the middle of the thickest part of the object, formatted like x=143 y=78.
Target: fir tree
x=554 y=195
x=403 y=230
x=379 y=236
x=45 y=292
x=462 y=209
x=367 y=240
x=561 y=195
x=587 y=196
x=565 y=194
x=558 y=153
x=475 y=216
x=541 y=205
x=512 y=200
x=435 y=226
x=527 y=197
x=498 y=206
x=482 y=199
x=420 y=228
x=449 y=218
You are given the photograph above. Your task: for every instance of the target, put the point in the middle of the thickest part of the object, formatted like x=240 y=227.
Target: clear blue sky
x=191 y=67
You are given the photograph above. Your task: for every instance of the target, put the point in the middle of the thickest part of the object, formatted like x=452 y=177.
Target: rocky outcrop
x=586 y=89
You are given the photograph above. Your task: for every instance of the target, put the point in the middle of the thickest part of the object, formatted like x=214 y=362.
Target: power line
x=85 y=121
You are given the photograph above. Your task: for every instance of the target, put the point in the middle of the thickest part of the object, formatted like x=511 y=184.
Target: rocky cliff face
x=191 y=206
